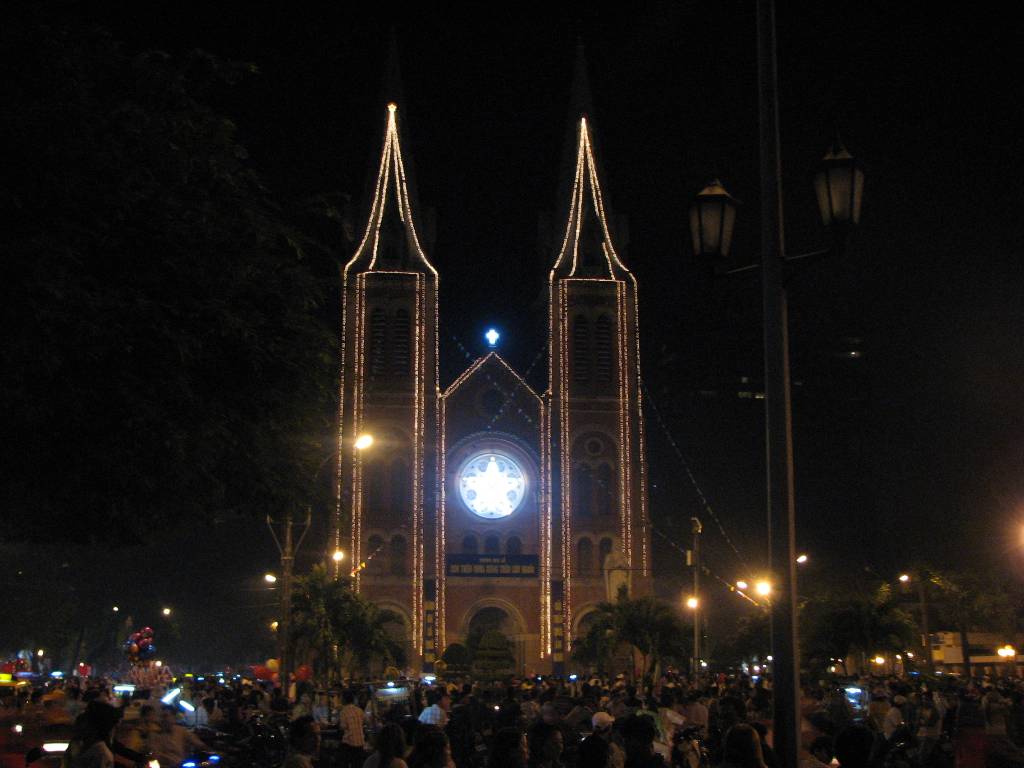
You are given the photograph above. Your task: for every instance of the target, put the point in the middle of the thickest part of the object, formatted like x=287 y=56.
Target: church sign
x=515 y=566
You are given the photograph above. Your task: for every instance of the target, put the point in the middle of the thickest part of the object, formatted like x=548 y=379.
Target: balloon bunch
x=139 y=646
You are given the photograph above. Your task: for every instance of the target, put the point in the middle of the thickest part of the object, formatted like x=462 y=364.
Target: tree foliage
x=168 y=347
x=648 y=626
x=838 y=624
x=338 y=631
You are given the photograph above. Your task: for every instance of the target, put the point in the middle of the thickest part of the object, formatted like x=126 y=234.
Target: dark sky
x=913 y=450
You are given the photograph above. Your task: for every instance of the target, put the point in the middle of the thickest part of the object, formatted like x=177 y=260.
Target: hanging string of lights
x=704 y=569
x=705 y=504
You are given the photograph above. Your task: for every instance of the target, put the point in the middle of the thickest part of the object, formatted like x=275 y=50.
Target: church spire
x=390 y=241
x=587 y=248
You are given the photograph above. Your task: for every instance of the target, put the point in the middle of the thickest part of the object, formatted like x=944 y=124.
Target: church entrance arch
x=493 y=615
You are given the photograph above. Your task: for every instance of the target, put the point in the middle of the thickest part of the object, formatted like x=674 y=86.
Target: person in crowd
x=742 y=748
x=639 y=733
x=431 y=749
x=94 y=735
x=172 y=743
x=352 y=719
x=389 y=748
x=436 y=713
x=303 y=742
x=509 y=749
x=853 y=746
x=546 y=744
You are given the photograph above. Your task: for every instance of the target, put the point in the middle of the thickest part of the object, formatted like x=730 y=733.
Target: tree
x=339 y=631
x=493 y=659
x=648 y=626
x=169 y=351
x=970 y=600
x=751 y=639
x=835 y=625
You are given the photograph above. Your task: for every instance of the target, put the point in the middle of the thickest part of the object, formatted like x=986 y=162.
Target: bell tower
x=599 y=470
x=389 y=385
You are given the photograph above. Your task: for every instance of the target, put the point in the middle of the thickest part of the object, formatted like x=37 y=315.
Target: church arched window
x=585 y=558
x=399 y=482
x=378 y=339
x=397 y=556
x=469 y=544
x=580 y=349
x=603 y=348
x=582 y=490
x=603 y=550
x=400 y=336
x=514 y=546
x=492 y=545
x=605 y=490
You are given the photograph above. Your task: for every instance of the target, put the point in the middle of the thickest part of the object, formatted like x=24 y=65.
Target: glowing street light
x=273 y=626
x=802 y=559
x=692 y=603
x=270 y=578
x=879 y=660
x=167 y=611
x=904 y=578
x=116 y=609
x=763 y=588
x=742 y=584
x=338 y=556
x=40 y=653
x=1007 y=651
x=492 y=337
x=363 y=442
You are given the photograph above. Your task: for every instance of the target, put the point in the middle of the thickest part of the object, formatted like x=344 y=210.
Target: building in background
x=485 y=504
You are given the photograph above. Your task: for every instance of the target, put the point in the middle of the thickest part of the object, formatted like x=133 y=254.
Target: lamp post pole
x=696 y=528
x=287 y=546
x=778 y=411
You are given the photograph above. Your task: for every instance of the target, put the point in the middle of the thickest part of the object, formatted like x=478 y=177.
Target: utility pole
x=696 y=529
x=287 y=548
x=926 y=641
x=778 y=409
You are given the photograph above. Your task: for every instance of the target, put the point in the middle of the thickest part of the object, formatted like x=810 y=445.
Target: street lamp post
x=287 y=546
x=839 y=189
x=695 y=604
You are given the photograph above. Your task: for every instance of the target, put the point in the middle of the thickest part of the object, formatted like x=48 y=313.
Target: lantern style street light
x=839 y=187
x=712 y=219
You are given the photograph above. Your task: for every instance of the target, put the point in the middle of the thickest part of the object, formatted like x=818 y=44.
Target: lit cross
x=493 y=489
x=492 y=337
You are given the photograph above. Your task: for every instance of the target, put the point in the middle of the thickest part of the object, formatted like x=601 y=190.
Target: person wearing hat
x=602 y=724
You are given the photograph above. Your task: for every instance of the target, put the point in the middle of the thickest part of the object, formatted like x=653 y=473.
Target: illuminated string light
x=421 y=286
x=563 y=278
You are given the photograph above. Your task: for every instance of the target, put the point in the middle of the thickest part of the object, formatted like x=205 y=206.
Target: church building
x=484 y=503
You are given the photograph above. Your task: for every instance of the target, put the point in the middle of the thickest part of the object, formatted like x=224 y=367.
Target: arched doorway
x=491 y=617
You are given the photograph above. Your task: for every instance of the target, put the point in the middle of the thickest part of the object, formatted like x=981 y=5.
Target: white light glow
x=55 y=746
x=492 y=485
x=363 y=442
x=492 y=337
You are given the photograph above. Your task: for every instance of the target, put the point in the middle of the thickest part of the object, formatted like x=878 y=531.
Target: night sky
x=914 y=449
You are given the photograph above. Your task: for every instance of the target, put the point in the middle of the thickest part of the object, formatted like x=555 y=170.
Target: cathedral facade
x=482 y=503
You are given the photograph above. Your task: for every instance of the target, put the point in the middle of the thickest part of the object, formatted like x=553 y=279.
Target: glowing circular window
x=492 y=485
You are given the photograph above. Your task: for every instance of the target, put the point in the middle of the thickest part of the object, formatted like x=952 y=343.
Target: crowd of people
x=552 y=723
x=715 y=721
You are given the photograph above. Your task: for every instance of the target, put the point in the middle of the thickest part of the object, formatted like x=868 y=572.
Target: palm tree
x=647 y=625
x=338 y=630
